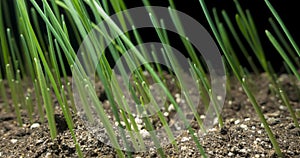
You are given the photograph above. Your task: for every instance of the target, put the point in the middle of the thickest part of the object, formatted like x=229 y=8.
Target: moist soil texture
x=242 y=135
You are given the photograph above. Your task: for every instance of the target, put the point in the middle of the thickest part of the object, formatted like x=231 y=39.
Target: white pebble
x=35 y=125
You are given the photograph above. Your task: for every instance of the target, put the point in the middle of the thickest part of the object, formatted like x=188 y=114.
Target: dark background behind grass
x=288 y=10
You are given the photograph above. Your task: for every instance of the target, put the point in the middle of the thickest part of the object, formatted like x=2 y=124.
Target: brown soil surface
x=242 y=135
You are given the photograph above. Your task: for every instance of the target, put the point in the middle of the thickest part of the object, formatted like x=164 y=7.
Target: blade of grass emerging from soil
x=243 y=82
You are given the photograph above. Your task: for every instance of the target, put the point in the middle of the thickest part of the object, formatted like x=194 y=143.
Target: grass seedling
x=13 y=92
x=46 y=98
x=283 y=27
x=3 y=93
x=42 y=66
x=242 y=80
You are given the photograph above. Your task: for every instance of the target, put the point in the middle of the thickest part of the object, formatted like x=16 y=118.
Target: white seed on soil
x=245 y=127
x=178 y=100
x=247 y=119
x=261 y=125
x=138 y=120
x=171 y=108
x=219 y=97
x=166 y=114
x=230 y=154
x=13 y=141
x=35 y=125
x=144 y=133
x=212 y=130
x=202 y=116
x=183 y=148
x=240 y=89
x=48 y=155
x=123 y=123
x=184 y=139
x=237 y=122
x=281 y=107
x=177 y=95
x=259 y=132
x=256 y=156
x=258 y=139
x=230 y=102
x=177 y=126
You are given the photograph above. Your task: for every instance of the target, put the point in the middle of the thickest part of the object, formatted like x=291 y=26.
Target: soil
x=242 y=135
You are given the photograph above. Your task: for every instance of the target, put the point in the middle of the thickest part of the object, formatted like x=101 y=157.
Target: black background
x=288 y=10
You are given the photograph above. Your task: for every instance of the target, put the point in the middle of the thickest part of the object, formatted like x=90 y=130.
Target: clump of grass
x=248 y=30
x=42 y=66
